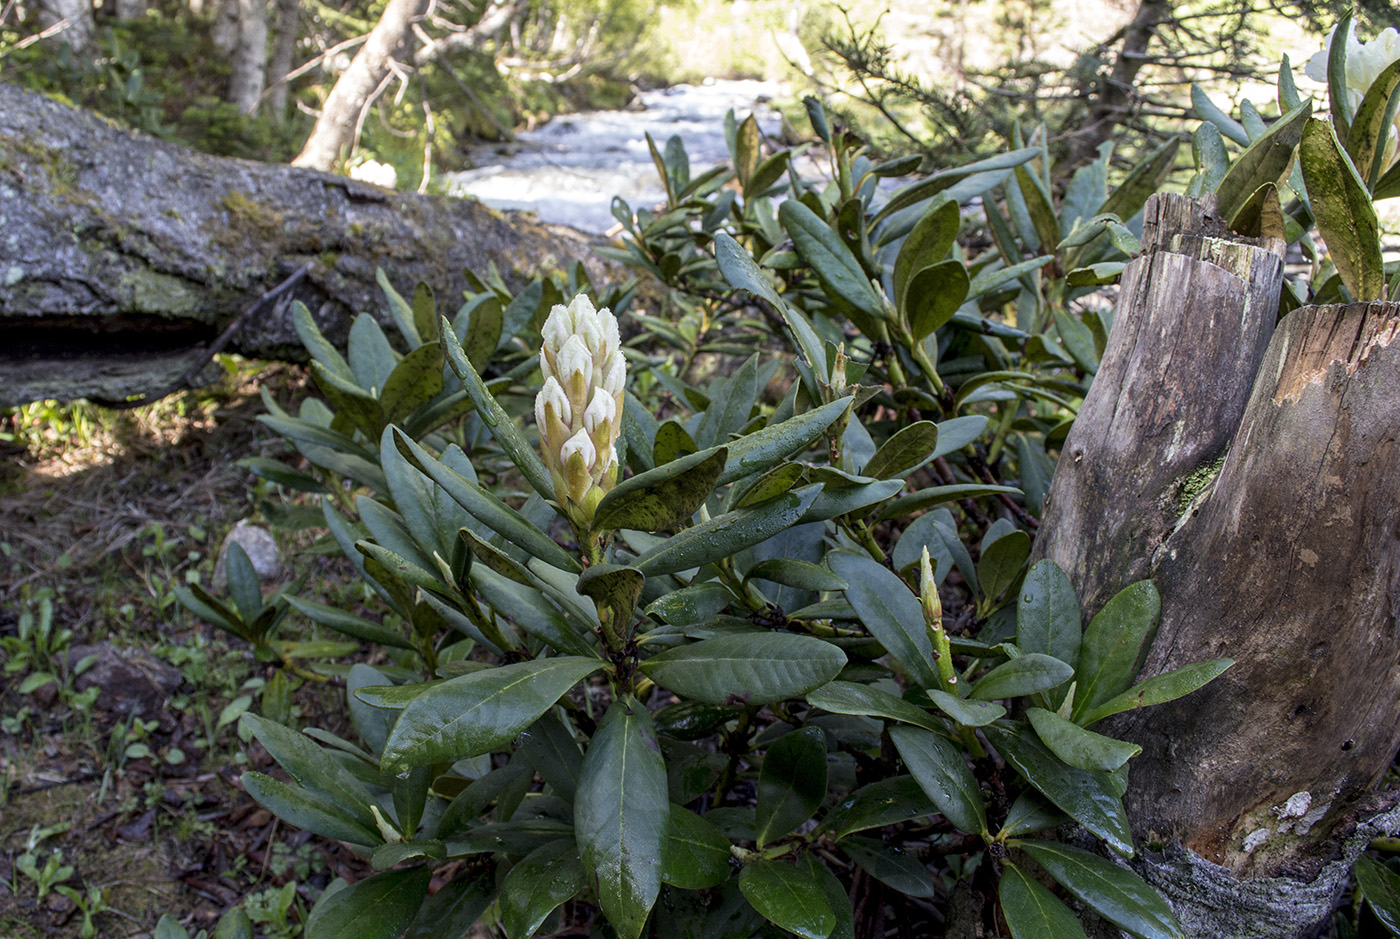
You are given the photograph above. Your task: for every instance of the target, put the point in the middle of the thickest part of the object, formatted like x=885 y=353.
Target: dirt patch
x=116 y=809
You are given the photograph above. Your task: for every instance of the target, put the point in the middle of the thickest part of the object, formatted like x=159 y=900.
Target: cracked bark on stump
x=1195 y=313
x=1253 y=478
x=121 y=255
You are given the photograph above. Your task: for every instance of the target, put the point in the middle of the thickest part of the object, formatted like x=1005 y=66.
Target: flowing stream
x=569 y=170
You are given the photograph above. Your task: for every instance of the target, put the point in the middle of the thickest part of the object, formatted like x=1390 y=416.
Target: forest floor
x=119 y=793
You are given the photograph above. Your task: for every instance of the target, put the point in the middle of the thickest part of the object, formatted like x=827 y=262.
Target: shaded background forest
x=248 y=79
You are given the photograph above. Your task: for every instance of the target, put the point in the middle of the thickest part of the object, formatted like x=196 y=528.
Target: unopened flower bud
x=928 y=593
x=602 y=408
x=838 y=372
x=578 y=456
x=579 y=408
x=933 y=620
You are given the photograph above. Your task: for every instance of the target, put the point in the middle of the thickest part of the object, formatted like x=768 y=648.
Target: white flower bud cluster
x=1365 y=62
x=579 y=409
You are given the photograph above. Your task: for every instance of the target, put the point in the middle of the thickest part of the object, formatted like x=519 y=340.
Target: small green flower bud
x=933 y=620
x=928 y=593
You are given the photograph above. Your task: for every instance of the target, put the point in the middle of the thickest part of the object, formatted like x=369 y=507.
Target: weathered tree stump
x=1257 y=491
x=121 y=255
x=1195 y=313
x=1291 y=566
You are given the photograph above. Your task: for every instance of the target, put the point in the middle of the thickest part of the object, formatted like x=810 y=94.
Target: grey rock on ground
x=126 y=679
x=257 y=542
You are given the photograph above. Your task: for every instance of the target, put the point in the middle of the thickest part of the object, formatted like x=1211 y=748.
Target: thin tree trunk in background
x=1111 y=103
x=1250 y=472
x=284 y=47
x=224 y=30
x=77 y=14
x=334 y=132
x=249 y=56
x=131 y=9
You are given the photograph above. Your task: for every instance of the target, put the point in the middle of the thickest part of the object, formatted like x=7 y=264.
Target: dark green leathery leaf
x=791 y=783
x=378 y=907
x=613 y=587
x=1115 y=644
x=844 y=697
x=788 y=897
x=665 y=497
x=1047 y=614
x=891 y=865
x=479 y=712
x=751 y=668
x=1023 y=675
x=1346 y=217
x=1089 y=798
x=536 y=886
x=927 y=244
x=884 y=802
x=889 y=610
x=906 y=450
x=726 y=534
x=940 y=769
x=621 y=816
x=1032 y=911
x=1116 y=894
x=1077 y=746
x=695 y=854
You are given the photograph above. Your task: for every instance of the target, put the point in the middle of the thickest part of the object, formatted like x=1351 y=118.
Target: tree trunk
x=123 y=254
x=75 y=17
x=245 y=86
x=1111 y=100
x=1196 y=311
x=284 y=48
x=131 y=9
x=1252 y=477
x=334 y=133
x=223 y=32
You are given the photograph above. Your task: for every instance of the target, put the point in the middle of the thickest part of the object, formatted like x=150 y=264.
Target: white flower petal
x=615 y=377
x=590 y=332
x=552 y=394
x=610 y=332
x=580 y=308
x=574 y=359
x=556 y=328
x=580 y=444
x=600 y=409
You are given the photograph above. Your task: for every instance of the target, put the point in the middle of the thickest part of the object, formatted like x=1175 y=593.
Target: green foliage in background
x=1301 y=174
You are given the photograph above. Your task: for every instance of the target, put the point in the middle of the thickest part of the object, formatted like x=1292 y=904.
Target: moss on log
x=122 y=255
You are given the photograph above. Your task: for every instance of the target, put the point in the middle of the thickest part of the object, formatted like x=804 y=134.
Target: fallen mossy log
x=123 y=256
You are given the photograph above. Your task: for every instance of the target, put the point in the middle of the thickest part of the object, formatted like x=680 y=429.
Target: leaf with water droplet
x=534 y=888
x=942 y=772
x=788 y=897
x=695 y=854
